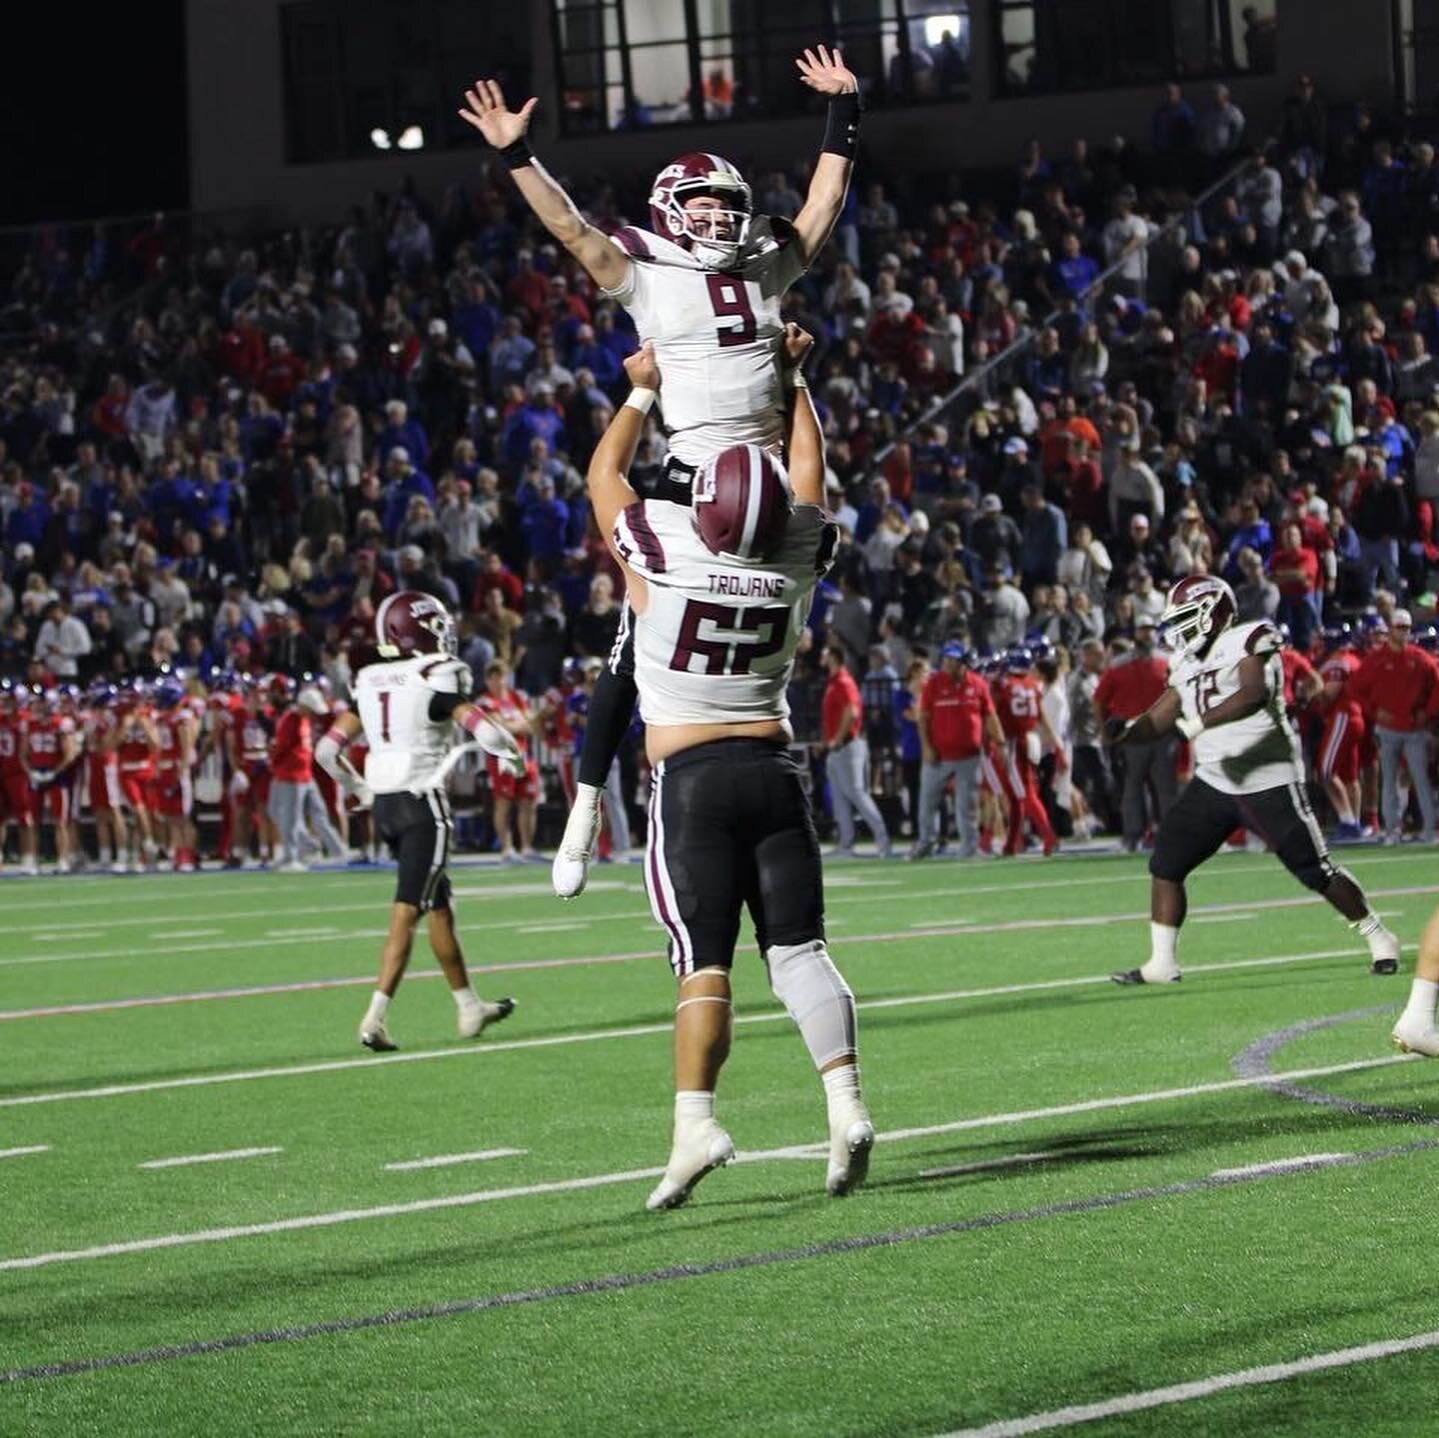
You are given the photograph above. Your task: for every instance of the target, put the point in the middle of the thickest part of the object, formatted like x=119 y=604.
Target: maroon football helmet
x=413 y=623
x=1200 y=608
x=742 y=503
x=690 y=177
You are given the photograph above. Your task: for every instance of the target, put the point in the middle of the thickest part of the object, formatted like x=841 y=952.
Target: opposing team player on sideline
x=706 y=287
x=1226 y=696
x=720 y=594
x=407 y=707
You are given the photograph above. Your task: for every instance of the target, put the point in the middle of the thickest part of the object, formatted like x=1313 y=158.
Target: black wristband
x=517 y=155
x=841 y=130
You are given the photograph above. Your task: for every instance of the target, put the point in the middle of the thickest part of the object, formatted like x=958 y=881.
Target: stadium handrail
x=942 y=405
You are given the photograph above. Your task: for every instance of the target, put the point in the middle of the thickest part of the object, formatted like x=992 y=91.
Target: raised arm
x=827 y=73
x=609 y=487
x=507 y=131
x=804 y=449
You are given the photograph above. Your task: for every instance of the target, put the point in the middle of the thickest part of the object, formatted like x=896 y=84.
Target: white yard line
x=448 y=1160
x=634 y=1175
x=938 y=928
x=1202 y=1388
x=224 y=1156
x=768 y=1016
x=1283 y=1165
x=28 y=1149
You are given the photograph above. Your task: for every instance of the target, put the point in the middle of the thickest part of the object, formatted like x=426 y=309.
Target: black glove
x=1114 y=731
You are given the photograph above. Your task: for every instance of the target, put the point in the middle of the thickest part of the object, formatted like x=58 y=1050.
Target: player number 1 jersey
x=1249 y=755
x=393 y=702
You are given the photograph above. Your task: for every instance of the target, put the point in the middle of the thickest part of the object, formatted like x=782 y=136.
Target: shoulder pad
x=635 y=538
x=446 y=675
x=1262 y=639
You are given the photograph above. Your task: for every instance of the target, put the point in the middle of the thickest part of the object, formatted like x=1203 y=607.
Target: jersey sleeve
x=446 y=675
x=1263 y=640
x=815 y=531
x=633 y=289
x=785 y=263
x=637 y=542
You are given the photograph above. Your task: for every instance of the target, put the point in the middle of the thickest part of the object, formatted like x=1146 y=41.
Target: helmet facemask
x=1188 y=627
x=732 y=212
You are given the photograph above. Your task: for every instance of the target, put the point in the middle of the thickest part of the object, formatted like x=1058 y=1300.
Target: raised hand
x=642 y=367
x=486 y=110
x=824 y=70
x=795 y=344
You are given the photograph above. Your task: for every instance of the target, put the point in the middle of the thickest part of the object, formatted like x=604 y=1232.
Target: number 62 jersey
x=1253 y=754
x=716 y=641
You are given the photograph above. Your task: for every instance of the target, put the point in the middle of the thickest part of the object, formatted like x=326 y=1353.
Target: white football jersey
x=715 y=335
x=1249 y=755
x=393 y=702
x=716 y=642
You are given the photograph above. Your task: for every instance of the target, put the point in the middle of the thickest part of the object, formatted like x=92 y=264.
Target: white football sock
x=379 y=1006
x=1420 y=1009
x=465 y=998
x=841 y=1092
x=1163 y=944
x=1371 y=926
x=693 y=1107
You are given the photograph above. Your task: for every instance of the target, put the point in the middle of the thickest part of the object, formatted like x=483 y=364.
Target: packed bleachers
x=1046 y=396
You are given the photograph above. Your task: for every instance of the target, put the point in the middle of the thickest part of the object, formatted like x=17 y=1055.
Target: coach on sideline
x=846 y=764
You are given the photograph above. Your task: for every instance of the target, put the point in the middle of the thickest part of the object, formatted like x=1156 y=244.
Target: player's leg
x=1034 y=808
x=1013 y=796
x=1192 y=831
x=1334 y=747
x=29 y=832
x=474 y=1014
x=693 y=875
x=615 y=816
x=786 y=901
x=58 y=801
x=1285 y=818
x=501 y=820
x=526 y=815
x=1416 y=760
x=1416 y=1031
x=607 y=721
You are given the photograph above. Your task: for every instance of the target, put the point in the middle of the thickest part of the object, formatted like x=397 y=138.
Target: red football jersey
x=1017 y=699
x=134 y=746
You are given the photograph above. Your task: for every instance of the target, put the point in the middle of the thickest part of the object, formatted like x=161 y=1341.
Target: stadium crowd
x=219 y=453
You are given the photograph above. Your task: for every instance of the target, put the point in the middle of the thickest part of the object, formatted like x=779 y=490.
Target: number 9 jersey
x=1252 y=754
x=716 y=642
x=714 y=334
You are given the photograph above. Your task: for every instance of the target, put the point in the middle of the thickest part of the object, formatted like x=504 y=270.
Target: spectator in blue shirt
x=402 y=432
x=544 y=523
x=1174 y=123
x=1253 y=533
x=510 y=354
x=599 y=359
x=27 y=521
x=1045 y=537
x=1073 y=272
x=537 y=418
x=405 y=481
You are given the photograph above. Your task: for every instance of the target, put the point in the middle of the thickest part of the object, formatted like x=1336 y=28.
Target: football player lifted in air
x=705 y=287
x=1226 y=697
x=408 y=706
x=721 y=591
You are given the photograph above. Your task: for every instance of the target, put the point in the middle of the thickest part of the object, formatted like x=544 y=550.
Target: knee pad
x=816 y=997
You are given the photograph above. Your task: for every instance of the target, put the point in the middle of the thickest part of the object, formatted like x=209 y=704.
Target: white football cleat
x=476 y=1018
x=703 y=1149
x=849 y=1149
x=1384 y=952
x=1414 y=1038
x=376 y=1038
x=571 y=868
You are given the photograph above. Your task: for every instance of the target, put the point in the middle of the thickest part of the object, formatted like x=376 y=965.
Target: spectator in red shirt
x=847 y=754
x=956 y=717
x=1397 y=686
x=1126 y=689
x=1294 y=568
x=293 y=794
x=494 y=575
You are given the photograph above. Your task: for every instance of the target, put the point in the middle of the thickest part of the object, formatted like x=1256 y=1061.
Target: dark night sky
x=92 y=111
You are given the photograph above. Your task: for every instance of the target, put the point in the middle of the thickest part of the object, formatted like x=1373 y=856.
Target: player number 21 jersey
x=393 y=702
x=714 y=334
x=1249 y=755
x=716 y=642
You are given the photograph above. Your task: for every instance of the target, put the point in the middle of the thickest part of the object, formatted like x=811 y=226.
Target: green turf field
x=1083 y=1193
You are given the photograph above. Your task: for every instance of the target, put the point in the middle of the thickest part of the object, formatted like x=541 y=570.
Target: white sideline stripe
x=988 y=1165
x=589 y=1036
x=572 y=1185
x=445 y=1160
x=53 y=938
x=324 y=931
x=22 y=1152
x=1223 y=918
x=186 y=934
x=1283 y=1165
x=156 y=887
x=939 y=928
x=224 y=1156
x=553 y=928
x=1200 y=1388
